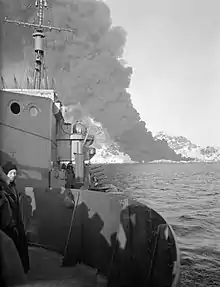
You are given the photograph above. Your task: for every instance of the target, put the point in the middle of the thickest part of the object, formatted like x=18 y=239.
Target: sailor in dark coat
x=70 y=175
x=10 y=213
x=11 y=269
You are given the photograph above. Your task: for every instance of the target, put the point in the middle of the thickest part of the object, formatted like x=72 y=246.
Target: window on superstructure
x=33 y=111
x=15 y=108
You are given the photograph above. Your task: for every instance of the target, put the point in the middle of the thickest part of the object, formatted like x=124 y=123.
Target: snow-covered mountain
x=186 y=148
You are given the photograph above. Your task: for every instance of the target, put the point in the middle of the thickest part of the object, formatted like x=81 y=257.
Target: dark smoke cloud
x=88 y=68
x=14 y=37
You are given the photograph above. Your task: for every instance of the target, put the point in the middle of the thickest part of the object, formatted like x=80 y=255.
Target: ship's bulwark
x=117 y=239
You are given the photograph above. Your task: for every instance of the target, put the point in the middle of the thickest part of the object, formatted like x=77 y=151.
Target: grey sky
x=174 y=48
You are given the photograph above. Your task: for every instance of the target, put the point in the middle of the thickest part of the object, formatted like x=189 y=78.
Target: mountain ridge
x=108 y=150
x=183 y=146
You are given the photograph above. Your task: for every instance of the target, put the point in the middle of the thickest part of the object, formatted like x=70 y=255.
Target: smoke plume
x=87 y=67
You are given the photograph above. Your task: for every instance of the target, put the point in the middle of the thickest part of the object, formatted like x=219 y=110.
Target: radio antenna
x=39 y=37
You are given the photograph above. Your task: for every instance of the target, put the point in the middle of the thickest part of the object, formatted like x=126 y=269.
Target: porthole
x=15 y=108
x=33 y=111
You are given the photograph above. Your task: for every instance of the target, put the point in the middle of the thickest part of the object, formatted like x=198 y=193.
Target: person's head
x=10 y=170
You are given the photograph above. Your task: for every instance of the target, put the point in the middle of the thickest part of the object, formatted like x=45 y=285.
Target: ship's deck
x=46 y=271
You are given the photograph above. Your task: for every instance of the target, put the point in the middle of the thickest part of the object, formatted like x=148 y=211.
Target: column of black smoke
x=14 y=37
x=88 y=69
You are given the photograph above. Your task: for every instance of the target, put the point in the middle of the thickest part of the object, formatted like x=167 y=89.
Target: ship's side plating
x=28 y=129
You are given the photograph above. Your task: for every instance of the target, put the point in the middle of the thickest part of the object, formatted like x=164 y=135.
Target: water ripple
x=187 y=195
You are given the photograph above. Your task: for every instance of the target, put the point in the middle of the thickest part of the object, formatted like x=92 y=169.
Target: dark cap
x=3 y=176
x=8 y=166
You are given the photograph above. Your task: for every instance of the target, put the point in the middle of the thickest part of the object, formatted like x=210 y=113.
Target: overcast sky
x=174 y=48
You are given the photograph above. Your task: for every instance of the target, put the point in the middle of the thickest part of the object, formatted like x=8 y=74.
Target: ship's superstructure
x=34 y=133
x=35 y=118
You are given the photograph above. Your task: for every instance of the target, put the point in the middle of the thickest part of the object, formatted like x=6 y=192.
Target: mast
x=39 y=37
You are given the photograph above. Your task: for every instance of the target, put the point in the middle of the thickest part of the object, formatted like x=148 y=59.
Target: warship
x=81 y=231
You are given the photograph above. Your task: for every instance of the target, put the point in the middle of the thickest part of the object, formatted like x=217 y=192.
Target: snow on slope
x=186 y=148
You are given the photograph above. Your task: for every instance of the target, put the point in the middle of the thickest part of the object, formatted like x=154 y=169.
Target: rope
x=68 y=237
x=113 y=256
x=87 y=134
x=71 y=223
x=150 y=273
